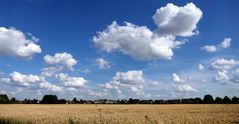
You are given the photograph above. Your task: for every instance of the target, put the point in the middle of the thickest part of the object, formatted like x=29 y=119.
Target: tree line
x=53 y=99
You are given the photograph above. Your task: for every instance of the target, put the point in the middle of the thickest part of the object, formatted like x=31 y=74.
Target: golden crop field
x=120 y=114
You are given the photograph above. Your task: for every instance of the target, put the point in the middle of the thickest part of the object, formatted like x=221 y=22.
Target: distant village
x=53 y=99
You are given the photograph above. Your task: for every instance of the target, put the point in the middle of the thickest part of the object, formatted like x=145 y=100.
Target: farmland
x=118 y=114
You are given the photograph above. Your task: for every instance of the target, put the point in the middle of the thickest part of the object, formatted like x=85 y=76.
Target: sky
x=119 y=49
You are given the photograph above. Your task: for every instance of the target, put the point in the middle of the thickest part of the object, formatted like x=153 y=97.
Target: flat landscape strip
x=121 y=114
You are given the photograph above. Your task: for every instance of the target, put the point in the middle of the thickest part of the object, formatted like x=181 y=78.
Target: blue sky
x=156 y=55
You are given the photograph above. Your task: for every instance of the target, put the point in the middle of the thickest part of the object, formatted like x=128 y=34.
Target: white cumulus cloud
x=18 y=77
x=138 y=42
x=184 y=88
x=51 y=71
x=132 y=80
x=200 y=67
x=102 y=63
x=71 y=81
x=22 y=79
x=177 y=21
x=51 y=87
x=177 y=79
x=64 y=59
x=15 y=43
x=214 y=48
x=225 y=43
x=181 y=85
x=224 y=64
x=210 y=48
x=222 y=76
x=141 y=43
x=129 y=77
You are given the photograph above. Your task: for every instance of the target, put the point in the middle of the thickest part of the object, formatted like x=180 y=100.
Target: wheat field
x=120 y=114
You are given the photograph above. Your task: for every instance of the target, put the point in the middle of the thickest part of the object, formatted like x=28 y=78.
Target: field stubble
x=121 y=114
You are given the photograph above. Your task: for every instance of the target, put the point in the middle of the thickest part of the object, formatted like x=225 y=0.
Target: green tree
x=75 y=100
x=81 y=101
x=235 y=100
x=49 y=99
x=197 y=100
x=208 y=99
x=226 y=100
x=61 y=101
x=218 y=100
x=13 y=100
x=4 y=99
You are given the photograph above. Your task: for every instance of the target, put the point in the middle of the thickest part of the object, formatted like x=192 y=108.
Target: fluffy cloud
x=71 y=81
x=64 y=59
x=22 y=79
x=225 y=43
x=210 y=48
x=224 y=64
x=214 y=48
x=222 y=76
x=130 y=77
x=51 y=87
x=138 y=42
x=35 y=81
x=200 y=67
x=181 y=85
x=143 y=44
x=176 y=78
x=102 y=63
x=184 y=88
x=18 y=77
x=51 y=71
x=15 y=43
x=132 y=80
x=177 y=21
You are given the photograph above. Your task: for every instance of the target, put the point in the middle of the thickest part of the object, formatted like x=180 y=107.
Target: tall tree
x=4 y=99
x=75 y=100
x=226 y=100
x=218 y=100
x=208 y=99
x=13 y=100
x=235 y=100
x=49 y=99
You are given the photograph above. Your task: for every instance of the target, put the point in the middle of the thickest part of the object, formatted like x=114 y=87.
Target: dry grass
x=121 y=114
